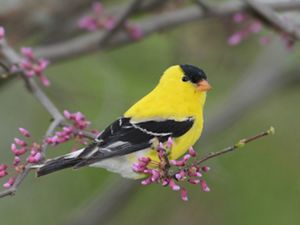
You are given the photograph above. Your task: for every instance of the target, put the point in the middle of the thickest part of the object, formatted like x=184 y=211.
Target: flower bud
x=24 y=132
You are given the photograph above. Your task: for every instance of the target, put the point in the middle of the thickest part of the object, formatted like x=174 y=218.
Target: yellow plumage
x=172 y=99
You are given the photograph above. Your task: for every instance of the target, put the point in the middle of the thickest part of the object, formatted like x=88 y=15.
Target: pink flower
x=158 y=173
x=3 y=167
x=16 y=161
x=180 y=175
x=192 y=152
x=173 y=185
x=3 y=173
x=18 y=152
x=145 y=160
x=9 y=183
x=31 y=66
x=181 y=162
x=235 y=38
x=20 y=142
x=42 y=65
x=109 y=22
x=138 y=168
x=38 y=156
x=177 y=163
x=67 y=114
x=165 y=182
x=170 y=143
x=146 y=181
x=194 y=181
x=24 y=132
x=264 y=40
x=135 y=32
x=97 y=8
x=44 y=80
x=34 y=157
x=194 y=171
x=97 y=21
x=2 y=33
x=205 y=168
x=255 y=27
x=88 y=23
x=155 y=175
x=79 y=123
x=239 y=17
x=184 y=196
x=204 y=186
x=27 y=52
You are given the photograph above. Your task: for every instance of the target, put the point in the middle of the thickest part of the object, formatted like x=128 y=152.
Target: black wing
x=125 y=136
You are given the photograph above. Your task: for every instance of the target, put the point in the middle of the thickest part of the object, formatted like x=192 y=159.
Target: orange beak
x=203 y=85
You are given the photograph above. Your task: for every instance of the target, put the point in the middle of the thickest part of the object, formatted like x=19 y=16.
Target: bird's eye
x=185 y=79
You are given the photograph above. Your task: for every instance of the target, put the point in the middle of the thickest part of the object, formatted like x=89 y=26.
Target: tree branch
x=88 y=43
x=21 y=176
x=12 y=57
x=272 y=19
x=133 y=6
x=240 y=144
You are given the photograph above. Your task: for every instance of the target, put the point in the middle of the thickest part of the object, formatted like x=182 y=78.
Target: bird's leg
x=164 y=164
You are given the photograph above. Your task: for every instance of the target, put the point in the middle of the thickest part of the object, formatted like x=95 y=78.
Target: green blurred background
x=258 y=185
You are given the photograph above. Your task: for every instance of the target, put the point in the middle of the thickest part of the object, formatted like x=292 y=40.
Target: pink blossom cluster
x=33 y=151
x=248 y=26
x=19 y=148
x=3 y=172
x=72 y=131
x=98 y=20
x=31 y=66
x=2 y=33
x=186 y=171
x=134 y=31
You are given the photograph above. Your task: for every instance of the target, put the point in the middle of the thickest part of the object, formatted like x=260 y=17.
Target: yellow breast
x=172 y=99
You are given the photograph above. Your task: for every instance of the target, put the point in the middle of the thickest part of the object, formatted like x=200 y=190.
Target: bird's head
x=186 y=76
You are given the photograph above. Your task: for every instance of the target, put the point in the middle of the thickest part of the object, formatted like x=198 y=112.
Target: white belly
x=122 y=164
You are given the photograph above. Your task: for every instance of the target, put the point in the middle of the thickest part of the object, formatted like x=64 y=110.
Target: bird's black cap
x=193 y=73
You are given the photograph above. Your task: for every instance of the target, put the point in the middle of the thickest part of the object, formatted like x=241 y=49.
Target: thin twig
x=21 y=176
x=240 y=144
x=121 y=21
x=212 y=155
x=13 y=57
x=86 y=134
x=272 y=19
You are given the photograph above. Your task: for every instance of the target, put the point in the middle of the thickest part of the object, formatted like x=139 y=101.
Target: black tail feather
x=55 y=165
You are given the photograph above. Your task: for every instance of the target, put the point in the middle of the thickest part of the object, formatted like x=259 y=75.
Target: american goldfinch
x=174 y=108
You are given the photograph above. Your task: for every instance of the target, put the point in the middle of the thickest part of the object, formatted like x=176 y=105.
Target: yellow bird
x=174 y=108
